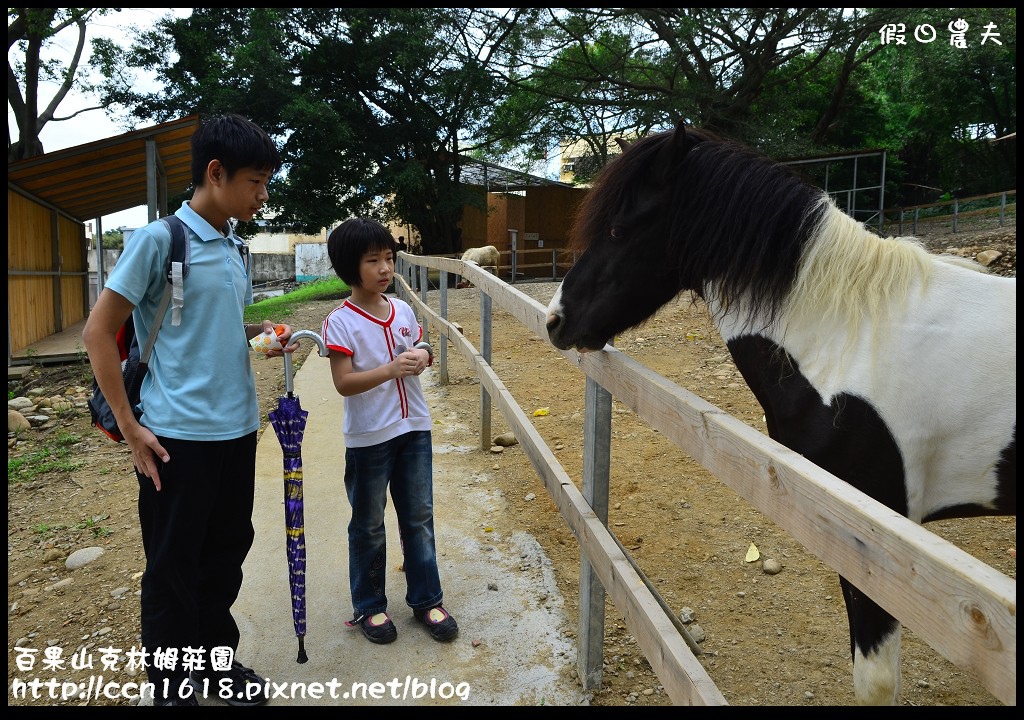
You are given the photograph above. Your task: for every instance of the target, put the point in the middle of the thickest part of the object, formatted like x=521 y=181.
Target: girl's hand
x=409 y=362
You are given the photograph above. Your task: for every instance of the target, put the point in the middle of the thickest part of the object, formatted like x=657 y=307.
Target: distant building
x=275 y=238
x=573 y=151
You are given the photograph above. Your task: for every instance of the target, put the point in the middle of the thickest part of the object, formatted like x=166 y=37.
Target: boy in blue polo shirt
x=194 y=447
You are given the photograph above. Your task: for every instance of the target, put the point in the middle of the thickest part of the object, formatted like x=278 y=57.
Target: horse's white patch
x=940 y=372
x=555 y=306
x=876 y=676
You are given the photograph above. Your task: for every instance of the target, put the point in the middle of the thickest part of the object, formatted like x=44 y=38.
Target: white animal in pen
x=486 y=257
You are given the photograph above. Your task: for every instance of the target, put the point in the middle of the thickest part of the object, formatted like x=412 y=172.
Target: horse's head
x=625 y=270
x=682 y=210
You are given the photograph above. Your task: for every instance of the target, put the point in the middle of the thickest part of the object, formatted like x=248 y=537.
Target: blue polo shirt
x=200 y=384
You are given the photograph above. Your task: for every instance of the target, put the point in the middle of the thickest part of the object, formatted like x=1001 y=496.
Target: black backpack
x=135 y=361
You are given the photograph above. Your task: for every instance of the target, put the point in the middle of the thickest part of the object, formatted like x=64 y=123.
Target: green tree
x=790 y=81
x=32 y=31
x=708 y=66
x=553 y=101
x=372 y=105
x=941 y=106
x=376 y=107
x=113 y=240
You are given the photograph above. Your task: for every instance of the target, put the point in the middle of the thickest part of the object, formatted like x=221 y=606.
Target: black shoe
x=377 y=628
x=442 y=626
x=247 y=689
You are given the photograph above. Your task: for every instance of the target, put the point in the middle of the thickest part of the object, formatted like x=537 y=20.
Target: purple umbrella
x=289 y=421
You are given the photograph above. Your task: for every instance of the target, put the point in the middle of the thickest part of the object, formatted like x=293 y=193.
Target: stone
x=82 y=557
x=987 y=257
x=16 y=422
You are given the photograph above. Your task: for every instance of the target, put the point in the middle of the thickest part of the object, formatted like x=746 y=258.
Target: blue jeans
x=406 y=464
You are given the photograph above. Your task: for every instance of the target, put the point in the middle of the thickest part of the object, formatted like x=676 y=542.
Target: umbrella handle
x=309 y=334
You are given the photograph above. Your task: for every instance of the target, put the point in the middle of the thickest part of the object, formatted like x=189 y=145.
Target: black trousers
x=196 y=533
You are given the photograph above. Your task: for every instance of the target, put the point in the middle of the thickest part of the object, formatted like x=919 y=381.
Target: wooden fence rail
x=955 y=214
x=962 y=607
x=529 y=264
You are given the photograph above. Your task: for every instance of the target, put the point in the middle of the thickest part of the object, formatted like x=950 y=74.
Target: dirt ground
x=770 y=639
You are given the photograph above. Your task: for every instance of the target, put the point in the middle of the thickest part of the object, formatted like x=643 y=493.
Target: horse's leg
x=875 y=648
x=847 y=437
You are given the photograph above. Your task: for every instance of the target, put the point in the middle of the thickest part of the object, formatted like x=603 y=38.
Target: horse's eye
x=617 y=232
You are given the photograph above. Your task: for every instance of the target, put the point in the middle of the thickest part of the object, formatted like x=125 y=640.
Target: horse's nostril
x=553 y=320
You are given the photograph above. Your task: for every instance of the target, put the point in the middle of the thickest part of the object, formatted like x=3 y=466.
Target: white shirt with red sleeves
x=394 y=407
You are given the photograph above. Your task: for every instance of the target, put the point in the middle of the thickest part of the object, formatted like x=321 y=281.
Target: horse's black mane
x=730 y=215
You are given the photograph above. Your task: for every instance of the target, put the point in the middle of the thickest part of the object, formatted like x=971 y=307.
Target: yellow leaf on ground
x=540 y=412
x=752 y=553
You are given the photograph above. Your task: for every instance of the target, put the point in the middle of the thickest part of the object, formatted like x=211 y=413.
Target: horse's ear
x=623 y=143
x=680 y=144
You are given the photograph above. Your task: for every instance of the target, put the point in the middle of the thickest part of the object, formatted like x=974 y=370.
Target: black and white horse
x=890 y=367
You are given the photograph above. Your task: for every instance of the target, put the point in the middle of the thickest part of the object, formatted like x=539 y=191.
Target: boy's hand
x=284 y=334
x=147 y=452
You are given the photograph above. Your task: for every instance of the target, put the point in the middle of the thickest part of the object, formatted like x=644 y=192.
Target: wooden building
x=528 y=218
x=50 y=198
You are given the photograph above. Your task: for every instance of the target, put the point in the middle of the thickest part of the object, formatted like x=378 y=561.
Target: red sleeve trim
x=341 y=349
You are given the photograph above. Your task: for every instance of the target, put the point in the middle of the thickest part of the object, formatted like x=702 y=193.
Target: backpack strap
x=174 y=292
x=161 y=310
x=177 y=264
x=247 y=261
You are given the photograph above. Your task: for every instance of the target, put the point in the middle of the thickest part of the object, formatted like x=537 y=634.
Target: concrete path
x=499 y=588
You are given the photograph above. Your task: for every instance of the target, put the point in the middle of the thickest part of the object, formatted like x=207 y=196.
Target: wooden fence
x=531 y=264
x=912 y=215
x=960 y=606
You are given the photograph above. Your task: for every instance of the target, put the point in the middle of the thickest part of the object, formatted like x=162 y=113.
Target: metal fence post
x=597 y=436
x=423 y=298
x=485 y=351
x=442 y=351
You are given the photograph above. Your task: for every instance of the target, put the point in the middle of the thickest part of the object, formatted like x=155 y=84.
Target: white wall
x=280 y=242
x=312 y=262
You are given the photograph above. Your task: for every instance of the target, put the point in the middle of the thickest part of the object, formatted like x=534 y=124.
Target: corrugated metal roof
x=108 y=176
x=496 y=178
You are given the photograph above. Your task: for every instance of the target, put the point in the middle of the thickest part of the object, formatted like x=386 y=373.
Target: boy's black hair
x=237 y=142
x=351 y=240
